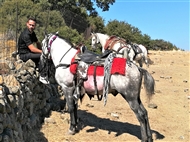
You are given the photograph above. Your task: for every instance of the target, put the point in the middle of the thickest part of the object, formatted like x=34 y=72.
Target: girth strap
x=95 y=85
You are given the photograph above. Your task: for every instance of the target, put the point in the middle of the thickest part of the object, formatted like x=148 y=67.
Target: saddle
x=95 y=68
x=90 y=57
x=136 y=48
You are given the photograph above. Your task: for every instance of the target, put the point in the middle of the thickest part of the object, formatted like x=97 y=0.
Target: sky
x=159 y=19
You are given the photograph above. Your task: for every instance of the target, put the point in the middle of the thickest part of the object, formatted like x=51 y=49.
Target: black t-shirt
x=26 y=38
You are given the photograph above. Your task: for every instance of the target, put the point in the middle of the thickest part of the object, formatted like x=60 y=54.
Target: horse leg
x=72 y=109
x=140 y=63
x=141 y=114
x=149 y=133
x=146 y=61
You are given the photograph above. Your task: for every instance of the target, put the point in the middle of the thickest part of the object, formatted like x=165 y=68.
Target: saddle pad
x=74 y=65
x=99 y=70
x=118 y=67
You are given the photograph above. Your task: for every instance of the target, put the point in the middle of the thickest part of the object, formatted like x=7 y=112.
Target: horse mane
x=111 y=39
x=65 y=39
x=113 y=36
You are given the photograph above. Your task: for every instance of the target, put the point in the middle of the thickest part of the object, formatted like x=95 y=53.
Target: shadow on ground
x=89 y=119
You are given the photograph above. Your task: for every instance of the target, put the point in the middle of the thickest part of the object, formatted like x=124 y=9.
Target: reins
x=48 y=43
x=65 y=65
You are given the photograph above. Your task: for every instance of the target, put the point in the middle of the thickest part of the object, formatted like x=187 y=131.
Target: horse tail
x=149 y=83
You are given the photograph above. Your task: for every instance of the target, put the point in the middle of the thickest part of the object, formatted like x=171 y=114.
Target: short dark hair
x=32 y=18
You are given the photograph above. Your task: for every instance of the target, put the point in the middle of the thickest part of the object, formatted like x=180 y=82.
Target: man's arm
x=34 y=49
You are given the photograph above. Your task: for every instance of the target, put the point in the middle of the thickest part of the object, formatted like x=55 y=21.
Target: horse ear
x=57 y=33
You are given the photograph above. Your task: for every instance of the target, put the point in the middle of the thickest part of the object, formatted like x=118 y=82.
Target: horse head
x=94 y=41
x=46 y=43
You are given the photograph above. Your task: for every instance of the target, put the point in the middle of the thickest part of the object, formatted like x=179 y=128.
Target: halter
x=49 y=40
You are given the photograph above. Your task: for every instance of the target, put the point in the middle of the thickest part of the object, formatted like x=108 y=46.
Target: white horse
x=127 y=85
x=141 y=54
x=119 y=46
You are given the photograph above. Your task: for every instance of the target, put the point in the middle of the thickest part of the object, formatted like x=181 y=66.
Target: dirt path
x=116 y=121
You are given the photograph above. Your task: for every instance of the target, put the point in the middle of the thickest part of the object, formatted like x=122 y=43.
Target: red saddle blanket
x=118 y=67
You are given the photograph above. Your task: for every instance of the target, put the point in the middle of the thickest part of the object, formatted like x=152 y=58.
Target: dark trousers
x=40 y=64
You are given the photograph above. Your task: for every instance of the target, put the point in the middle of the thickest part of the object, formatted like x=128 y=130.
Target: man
x=27 y=50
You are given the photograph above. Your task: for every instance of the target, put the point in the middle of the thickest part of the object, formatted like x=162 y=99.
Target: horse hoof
x=70 y=132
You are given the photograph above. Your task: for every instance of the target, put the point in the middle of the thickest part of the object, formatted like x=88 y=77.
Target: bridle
x=47 y=47
x=49 y=40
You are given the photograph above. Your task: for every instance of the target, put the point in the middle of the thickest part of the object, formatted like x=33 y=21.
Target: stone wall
x=24 y=101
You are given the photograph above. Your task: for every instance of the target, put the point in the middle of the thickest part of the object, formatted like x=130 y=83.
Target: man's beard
x=31 y=30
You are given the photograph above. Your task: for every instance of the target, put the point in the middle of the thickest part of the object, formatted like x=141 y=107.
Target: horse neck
x=62 y=52
x=102 y=38
x=131 y=52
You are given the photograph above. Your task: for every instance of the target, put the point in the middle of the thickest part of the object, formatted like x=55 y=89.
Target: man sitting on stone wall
x=27 y=50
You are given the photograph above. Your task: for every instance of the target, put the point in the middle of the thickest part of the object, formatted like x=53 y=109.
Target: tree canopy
x=71 y=18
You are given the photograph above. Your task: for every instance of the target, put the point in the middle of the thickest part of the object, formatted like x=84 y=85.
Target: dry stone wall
x=24 y=101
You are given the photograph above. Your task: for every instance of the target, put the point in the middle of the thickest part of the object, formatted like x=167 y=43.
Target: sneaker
x=44 y=80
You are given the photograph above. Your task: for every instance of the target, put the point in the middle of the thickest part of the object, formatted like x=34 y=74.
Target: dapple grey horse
x=120 y=46
x=128 y=85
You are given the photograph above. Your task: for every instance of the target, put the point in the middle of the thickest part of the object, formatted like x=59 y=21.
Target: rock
x=154 y=106
x=186 y=90
x=4 y=68
x=2 y=106
x=115 y=115
x=49 y=120
x=168 y=77
x=1 y=80
x=10 y=81
x=185 y=81
x=161 y=76
x=30 y=63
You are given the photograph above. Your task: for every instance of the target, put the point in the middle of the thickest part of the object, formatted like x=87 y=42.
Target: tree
x=121 y=29
x=72 y=18
x=75 y=12
x=97 y=24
